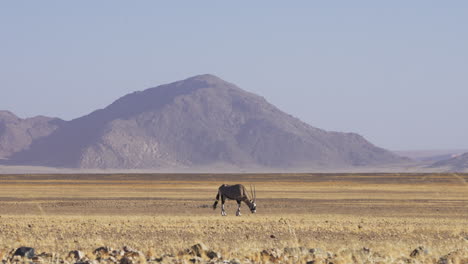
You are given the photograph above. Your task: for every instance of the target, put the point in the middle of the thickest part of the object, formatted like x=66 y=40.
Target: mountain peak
x=205 y=77
x=8 y=116
x=7 y=113
x=208 y=80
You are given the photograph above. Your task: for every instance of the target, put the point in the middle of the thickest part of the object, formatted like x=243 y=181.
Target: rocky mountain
x=458 y=163
x=17 y=134
x=198 y=122
x=430 y=155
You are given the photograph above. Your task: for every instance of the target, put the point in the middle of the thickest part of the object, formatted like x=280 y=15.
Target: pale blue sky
x=395 y=72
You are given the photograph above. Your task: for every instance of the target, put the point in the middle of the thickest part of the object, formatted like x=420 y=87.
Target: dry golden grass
x=336 y=214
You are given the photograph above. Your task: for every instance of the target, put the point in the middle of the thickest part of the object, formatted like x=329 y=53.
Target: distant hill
x=198 y=122
x=431 y=155
x=457 y=164
x=17 y=134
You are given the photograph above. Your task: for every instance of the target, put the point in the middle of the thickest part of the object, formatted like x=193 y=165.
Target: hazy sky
x=395 y=72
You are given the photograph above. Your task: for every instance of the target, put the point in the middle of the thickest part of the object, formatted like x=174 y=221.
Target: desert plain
x=301 y=218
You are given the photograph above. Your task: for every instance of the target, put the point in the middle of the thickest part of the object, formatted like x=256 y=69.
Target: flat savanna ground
x=339 y=214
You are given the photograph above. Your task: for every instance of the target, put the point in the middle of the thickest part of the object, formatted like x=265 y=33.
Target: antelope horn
x=255 y=194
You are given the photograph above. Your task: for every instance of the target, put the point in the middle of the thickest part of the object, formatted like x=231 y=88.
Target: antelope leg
x=238 y=213
x=223 y=212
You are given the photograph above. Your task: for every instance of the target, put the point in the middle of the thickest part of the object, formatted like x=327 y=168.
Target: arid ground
x=326 y=218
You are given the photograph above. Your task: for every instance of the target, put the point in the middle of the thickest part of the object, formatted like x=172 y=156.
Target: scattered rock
x=272 y=236
x=166 y=258
x=134 y=254
x=102 y=253
x=184 y=252
x=24 y=252
x=128 y=249
x=196 y=260
x=452 y=257
x=418 y=252
x=273 y=253
x=126 y=260
x=117 y=253
x=102 y=250
x=76 y=254
x=199 y=249
x=200 y=253
x=213 y=254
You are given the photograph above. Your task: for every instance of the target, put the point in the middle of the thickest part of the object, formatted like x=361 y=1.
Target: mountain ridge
x=459 y=163
x=17 y=133
x=200 y=121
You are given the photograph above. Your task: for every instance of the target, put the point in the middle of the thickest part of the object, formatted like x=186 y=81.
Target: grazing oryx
x=236 y=192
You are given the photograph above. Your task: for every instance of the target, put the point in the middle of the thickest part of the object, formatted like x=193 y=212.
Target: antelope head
x=253 y=205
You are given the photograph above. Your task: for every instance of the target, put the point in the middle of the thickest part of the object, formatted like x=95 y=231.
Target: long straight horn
x=254 y=194
x=251 y=192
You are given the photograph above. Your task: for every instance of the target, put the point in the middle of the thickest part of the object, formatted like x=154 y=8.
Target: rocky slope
x=457 y=164
x=17 y=134
x=197 y=122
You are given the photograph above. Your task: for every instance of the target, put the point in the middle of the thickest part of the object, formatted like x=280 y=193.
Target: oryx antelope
x=236 y=192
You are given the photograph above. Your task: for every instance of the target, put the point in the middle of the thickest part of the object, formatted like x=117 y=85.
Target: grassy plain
x=344 y=218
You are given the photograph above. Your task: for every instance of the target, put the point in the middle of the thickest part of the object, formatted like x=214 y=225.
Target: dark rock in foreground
x=199 y=253
x=24 y=252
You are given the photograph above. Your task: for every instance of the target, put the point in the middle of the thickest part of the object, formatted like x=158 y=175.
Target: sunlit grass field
x=326 y=218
